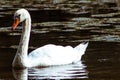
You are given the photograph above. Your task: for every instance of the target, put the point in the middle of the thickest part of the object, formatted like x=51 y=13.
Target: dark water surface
x=101 y=61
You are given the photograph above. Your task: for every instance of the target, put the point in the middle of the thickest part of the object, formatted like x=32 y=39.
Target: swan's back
x=49 y=55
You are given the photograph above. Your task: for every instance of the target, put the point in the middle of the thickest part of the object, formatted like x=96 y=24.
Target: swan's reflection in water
x=72 y=71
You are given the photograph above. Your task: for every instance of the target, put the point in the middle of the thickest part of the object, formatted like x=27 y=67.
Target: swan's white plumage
x=47 y=55
x=56 y=55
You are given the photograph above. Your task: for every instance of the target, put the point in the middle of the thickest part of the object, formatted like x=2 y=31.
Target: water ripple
x=59 y=72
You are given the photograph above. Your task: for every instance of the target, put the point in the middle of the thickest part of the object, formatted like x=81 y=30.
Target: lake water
x=100 y=62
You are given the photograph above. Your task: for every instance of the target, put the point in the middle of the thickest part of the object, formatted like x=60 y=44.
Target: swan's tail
x=82 y=47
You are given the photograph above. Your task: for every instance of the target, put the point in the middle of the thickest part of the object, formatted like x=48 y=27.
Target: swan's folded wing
x=53 y=55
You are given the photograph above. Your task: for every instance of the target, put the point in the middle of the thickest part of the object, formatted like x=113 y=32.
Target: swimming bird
x=48 y=55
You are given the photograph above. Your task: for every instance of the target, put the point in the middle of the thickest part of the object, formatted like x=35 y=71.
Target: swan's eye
x=17 y=17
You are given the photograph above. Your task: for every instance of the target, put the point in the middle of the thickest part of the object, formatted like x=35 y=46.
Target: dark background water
x=64 y=24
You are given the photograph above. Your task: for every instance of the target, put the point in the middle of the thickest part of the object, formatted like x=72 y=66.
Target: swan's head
x=20 y=16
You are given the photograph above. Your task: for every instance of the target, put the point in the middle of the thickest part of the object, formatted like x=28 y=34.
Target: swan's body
x=47 y=55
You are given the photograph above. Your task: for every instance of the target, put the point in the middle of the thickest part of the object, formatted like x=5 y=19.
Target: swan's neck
x=24 y=41
x=21 y=59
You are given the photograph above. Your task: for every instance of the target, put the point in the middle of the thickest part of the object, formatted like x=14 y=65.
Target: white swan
x=47 y=55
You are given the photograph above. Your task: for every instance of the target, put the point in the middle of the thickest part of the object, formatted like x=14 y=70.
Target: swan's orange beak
x=16 y=22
